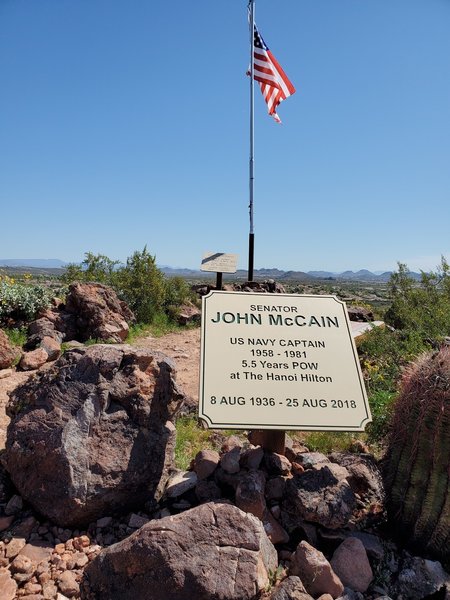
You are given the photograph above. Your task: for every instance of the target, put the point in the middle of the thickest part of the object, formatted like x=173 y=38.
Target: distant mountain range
x=277 y=274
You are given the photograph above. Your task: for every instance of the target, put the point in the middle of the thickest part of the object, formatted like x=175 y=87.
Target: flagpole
x=251 y=237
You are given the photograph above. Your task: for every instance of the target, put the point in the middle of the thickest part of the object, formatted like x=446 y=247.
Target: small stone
x=32 y=588
x=14 y=506
x=297 y=469
x=14 y=547
x=8 y=587
x=207 y=491
x=351 y=564
x=25 y=527
x=277 y=464
x=230 y=461
x=37 y=551
x=60 y=548
x=52 y=347
x=275 y=488
x=309 y=459
x=251 y=458
x=181 y=483
x=233 y=441
x=6 y=522
x=80 y=560
x=49 y=590
x=31 y=361
x=21 y=564
x=83 y=541
x=68 y=584
x=205 y=463
x=136 y=521
x=104 y=522
x=316 y=572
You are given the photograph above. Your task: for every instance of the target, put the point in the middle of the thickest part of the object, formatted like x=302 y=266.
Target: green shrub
x=21 y=301
x=422 y=307
x=150 y=295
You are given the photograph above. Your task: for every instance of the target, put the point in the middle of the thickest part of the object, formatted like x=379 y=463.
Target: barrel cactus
x=417 y=464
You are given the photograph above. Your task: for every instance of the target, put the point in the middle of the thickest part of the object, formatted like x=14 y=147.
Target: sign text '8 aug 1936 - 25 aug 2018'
x=282 y=361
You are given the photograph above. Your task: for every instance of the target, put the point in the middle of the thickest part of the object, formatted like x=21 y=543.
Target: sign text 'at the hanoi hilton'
x=279 y=361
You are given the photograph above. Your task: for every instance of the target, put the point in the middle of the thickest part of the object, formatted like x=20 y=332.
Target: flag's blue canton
x=258 y=40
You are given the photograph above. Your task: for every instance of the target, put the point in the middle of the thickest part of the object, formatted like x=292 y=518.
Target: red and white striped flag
x=273 y=81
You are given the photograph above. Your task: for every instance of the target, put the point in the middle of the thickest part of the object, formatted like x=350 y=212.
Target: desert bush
x=21 y=301
x=419 y=318
x=151 y=296
x=422 y=307
x=95 y=267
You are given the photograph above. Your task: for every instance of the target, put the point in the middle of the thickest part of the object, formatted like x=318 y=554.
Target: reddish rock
x=100 y=314
x=212 y=552
x=205 y=463
x=8 y=587
x=315 y=571
x=88 y=437
x=68 y=584
x=37 y=551
x=33 y=360
x=351 y=564
x=52 y=347
x=7 y=352
x=188 y=313
x=277 y=464
x=14 y=547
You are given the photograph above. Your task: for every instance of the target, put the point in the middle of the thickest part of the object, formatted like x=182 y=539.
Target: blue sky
x=124 y=124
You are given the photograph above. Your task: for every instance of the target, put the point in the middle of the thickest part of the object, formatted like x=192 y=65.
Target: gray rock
x=212 y=552
x=181 y=482
x=88 y=437
x=317 y=495
x=419 y=578
x=291 y=588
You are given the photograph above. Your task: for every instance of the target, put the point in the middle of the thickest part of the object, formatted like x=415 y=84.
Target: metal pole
x=251 y=239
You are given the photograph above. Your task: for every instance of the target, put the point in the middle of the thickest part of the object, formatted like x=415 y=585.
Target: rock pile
x=91 y=310
x=189 y=546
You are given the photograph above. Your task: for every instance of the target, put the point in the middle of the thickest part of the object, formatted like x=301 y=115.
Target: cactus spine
x=417 y=464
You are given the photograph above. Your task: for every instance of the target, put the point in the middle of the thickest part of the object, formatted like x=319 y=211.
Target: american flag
x=273 y=81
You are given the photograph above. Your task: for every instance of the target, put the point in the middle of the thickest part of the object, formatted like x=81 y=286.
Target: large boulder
x=92 y=434
x=212 y=552
x=7 y=353
x=100 y=314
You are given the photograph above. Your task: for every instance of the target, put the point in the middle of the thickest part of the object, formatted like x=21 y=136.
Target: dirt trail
x=183 y=347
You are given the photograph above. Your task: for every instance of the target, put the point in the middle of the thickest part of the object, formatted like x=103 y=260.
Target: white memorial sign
x=219 y=262
x=279 y=361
